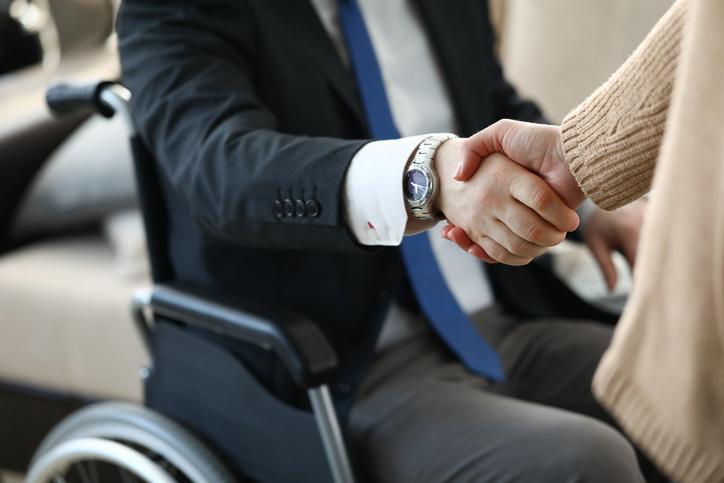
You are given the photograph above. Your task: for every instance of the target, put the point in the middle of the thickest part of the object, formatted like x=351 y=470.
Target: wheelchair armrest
x=298 y=342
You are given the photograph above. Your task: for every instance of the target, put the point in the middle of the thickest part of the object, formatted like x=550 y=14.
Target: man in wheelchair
x=291 y=146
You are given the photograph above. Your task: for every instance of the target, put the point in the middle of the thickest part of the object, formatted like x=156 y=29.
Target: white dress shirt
x=420 y=103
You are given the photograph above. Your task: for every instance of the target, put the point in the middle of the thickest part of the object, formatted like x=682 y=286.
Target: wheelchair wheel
x=123 y=442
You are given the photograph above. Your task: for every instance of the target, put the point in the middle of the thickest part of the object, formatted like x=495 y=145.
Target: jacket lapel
x=459 y=36
x=305 y=32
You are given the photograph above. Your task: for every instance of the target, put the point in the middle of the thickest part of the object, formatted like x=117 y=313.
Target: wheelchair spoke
x=125 y=475
x=94 y=471
x=81 y=470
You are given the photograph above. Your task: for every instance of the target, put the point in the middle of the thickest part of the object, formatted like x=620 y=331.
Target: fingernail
x=458 y=171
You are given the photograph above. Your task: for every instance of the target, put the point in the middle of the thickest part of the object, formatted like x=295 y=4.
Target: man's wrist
x=421 y=181
x=373 y=198
x=445 y=163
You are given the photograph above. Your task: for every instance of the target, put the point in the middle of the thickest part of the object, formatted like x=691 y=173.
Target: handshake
x=507 y=192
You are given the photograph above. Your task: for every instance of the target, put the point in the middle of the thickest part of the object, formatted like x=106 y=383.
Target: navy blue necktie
x=431 y=290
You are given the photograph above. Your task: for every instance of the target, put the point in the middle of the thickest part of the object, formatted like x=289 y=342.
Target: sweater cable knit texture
x=612 y=139
x=661 y=377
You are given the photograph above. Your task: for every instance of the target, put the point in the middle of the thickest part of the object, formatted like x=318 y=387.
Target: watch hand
x=418 y=187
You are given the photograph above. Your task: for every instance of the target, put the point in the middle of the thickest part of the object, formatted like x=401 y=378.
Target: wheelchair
x=114 y=441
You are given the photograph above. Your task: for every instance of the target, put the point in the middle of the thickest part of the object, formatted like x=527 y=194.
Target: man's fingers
x=445 y=230
x=602 y=255
x=461 y=239
x=535 y=193
x=515 y=245
x=529 y=225
x=500 y=254
x=480 y=254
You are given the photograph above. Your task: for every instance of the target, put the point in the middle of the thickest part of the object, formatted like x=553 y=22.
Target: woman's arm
x=611 y=141
x=606 y=148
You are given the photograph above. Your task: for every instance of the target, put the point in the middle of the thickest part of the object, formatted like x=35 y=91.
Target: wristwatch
x=420 y=184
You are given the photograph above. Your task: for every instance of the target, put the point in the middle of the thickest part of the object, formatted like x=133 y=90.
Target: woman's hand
x=537 y=147
x=619 y=230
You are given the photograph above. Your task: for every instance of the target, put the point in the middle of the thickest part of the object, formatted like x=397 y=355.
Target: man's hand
x=508 y=214
x=615 y=230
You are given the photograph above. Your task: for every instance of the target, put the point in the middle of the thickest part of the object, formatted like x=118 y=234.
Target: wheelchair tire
x=140 y=427
x=130 y=464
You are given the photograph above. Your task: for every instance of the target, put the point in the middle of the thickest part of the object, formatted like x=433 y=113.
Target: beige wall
x=559 y=51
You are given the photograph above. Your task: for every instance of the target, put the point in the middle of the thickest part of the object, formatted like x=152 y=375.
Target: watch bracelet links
x=424 y=156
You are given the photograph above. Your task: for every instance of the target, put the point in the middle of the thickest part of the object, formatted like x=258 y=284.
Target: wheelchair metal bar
x=117 y=97
x=141 y=313
x=299 y=343
x=329 y=429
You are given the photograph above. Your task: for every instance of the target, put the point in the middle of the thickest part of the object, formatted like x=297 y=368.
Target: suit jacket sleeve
x=190 y=65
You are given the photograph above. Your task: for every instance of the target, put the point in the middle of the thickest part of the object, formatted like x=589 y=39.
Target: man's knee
x=585 y=450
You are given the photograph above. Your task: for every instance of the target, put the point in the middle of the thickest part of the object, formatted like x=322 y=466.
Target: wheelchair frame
x=298 y=342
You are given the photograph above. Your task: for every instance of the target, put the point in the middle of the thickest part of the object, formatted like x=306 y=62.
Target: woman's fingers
x=479 y=146
x=602 y=254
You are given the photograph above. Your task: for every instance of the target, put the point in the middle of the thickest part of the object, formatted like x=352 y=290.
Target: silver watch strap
x=424 y=157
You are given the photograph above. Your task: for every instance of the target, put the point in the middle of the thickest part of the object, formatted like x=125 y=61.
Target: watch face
x=417 y=184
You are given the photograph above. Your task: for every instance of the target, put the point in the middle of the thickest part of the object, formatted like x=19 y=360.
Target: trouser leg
x=548 y=361
x=420 y=417
x=552 y=362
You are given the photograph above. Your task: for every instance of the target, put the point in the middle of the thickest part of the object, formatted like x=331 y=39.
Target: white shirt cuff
x=374 y=203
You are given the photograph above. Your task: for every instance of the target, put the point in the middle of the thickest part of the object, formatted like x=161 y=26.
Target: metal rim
x=137 y=426
x=52 y=465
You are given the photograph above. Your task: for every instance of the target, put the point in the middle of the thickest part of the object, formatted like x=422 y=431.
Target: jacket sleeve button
x=300 y=209
x=313 y=208
x=278 y=209
x=288 y=207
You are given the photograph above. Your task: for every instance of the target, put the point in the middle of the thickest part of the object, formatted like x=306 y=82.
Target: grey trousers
x=420 y=417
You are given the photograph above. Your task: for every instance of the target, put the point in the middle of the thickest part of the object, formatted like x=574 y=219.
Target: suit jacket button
x=300 y=208
x=278 y=209
x=288 y=207
x=312 y=208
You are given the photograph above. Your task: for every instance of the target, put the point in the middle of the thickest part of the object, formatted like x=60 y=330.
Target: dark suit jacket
x=249 y=111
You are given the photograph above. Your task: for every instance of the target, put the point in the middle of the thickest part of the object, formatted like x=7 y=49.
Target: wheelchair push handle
x=70 y=98
x=106 y=98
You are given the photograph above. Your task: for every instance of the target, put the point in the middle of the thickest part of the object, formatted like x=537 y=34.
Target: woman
x=662 y=379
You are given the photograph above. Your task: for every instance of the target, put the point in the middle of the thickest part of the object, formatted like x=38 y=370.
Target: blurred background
x=71 y=242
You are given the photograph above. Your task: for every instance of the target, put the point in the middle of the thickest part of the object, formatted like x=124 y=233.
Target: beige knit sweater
x=663 y=376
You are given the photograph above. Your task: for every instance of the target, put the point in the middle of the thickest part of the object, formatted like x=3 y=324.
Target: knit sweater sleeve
x=611 y=141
